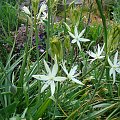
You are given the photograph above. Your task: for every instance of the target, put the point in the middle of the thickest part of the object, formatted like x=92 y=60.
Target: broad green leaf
x=42 y=108
x=9 y=110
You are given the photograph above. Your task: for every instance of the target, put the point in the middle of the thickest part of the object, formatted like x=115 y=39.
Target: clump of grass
x=8 y=16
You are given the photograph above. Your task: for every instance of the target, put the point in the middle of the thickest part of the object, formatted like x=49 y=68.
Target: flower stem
x=64 y=16
x=105 y=40
x=48 y=29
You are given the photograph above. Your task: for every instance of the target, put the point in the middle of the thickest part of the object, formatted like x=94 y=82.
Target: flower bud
x=56 y=48
x=13 y=89
x=26 y=10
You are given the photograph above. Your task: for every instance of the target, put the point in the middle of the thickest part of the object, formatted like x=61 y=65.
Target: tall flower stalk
x=35 y=10
x=48 y=28
x=105 y=41
x=64 y=16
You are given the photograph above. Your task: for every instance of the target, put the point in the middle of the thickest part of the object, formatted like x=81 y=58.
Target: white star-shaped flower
x=50 y=78
x=77 y=37
x=71 y=75
x=115 y=66
x=96 y=55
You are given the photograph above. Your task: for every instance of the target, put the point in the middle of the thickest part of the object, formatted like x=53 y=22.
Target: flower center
x=77 y=38
x=69 y=76
x=114 y=66
x=51 y=77
x=97 y=56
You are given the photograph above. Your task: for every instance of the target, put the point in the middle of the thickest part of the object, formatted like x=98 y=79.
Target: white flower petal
x=82 y=32
x=41 y=77
x=98 y=49
x=78 y=43
x=75 y=75
x=67 y=26
x=115 y=58
x=45 y=86
x=92 y=60
x=73 y=41
x=110 y=63
x=47 y=67
x=77 y=81
x=101 y=57
x=52 y=86
x=73 y=70
x=118 y=63
x=60 y=79
x=71 y=34
x=118 y=70
x=91 y=54
x=111 y=71
x=55 y=68
x=83 y=40
x=64 y=68
x=76 y=31
x=37 y=77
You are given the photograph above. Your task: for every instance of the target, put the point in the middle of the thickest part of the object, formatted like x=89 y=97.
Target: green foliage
x=116 y=12
x=113 y=37
x=94 y=32
x=8 y=111
x=8 y=16
x=12 y=2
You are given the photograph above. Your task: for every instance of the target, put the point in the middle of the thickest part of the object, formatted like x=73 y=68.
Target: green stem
x=22 y=71
x=71 y=56
x=48 y=29
x=119 y=90
x=89 y=12
x=37 y=40
x=105 y=41
x=80 y=18
x=37 y=50
x=104 y=23
x=64 y=16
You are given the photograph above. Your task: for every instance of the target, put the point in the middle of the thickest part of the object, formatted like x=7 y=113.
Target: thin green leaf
x=42 y=108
